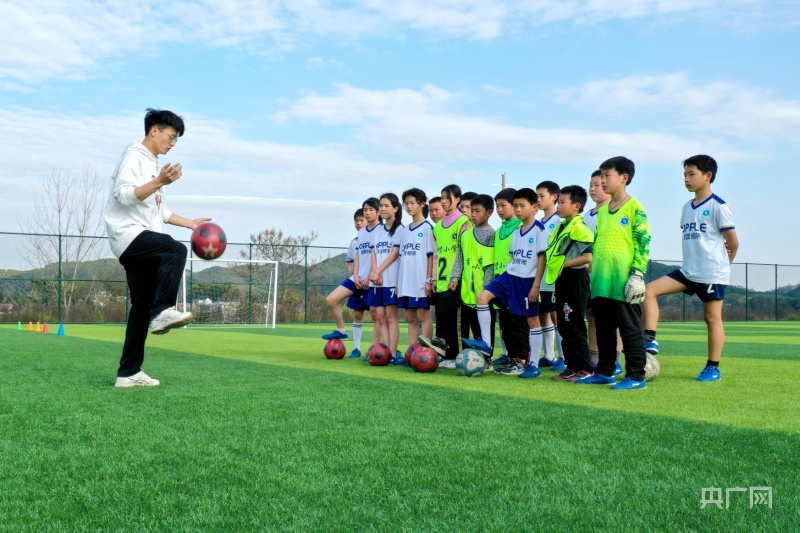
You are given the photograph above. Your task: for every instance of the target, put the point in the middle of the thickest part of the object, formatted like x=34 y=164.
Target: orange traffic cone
x=30 y=326
x=38 y=328
x=44 y=330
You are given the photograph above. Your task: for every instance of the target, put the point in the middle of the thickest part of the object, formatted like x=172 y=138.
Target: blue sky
x=297 y=111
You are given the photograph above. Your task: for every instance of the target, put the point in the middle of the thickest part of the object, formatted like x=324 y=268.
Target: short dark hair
x=506 y=194
x=577 y=194
x=704 y=163
x=551 y=186
x=435 y=200
x=596 y=174
x=358 y=214
x=161 y=118
x=621 y=164
x=453 y=190
x=372 y=202
x=526 y=193
x=483 y=200
x=468 y=196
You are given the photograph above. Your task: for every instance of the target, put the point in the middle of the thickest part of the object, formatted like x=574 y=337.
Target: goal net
x=230 y=291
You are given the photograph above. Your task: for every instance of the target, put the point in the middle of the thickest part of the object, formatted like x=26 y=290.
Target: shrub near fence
x=94 y=290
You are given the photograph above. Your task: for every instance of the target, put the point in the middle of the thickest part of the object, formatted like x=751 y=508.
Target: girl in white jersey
x=415 y=280
x=382 y=295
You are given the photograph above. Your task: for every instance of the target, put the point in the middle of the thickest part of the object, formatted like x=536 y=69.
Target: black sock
x=712 y=363
x=649 y=335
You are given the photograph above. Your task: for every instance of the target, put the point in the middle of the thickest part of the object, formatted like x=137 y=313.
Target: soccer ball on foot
x=424 y=360
x=208 y=241
x=379 y=354
x=470 y=363
x=335 y=349
x=651 y=368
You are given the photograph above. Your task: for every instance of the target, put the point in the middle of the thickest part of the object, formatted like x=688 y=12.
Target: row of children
x=535 y=274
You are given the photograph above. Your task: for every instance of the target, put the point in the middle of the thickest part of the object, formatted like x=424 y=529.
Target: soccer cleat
x=559 y=365
x=580 y=374
x=489 y=365
x=513 y=369
x=335 y=334
x=448 y=363
x=365 y=358
x=398 y=360
x=531 y=371
x=710 y=373
x=617 y=368
x=502 y=361
x=167 y=319
x=630 y=384
x=651 y=347
x=546 y=363
x=565 y=375
x=139 y=379
x=355 y=354
x=436 y=344
x=596 y=379
x=478 y=344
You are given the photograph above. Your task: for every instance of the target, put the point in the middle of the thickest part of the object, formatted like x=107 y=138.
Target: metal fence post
x=776 y=293
x=60 y=279
x=746 y=291
x=250 y=288
x=305 y=283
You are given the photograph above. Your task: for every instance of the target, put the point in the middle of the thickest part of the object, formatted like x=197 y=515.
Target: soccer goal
x=230 y=291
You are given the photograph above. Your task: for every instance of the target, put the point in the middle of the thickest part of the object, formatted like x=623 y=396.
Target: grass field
x=253 y=429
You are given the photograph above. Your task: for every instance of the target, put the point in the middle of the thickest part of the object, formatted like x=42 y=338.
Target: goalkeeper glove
x=634 y=289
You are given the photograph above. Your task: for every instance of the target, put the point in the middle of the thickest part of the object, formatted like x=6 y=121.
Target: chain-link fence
x=65 y=278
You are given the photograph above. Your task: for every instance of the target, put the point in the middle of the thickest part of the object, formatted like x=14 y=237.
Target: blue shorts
x=409 y=302
x=512 y=292
x=381 y=296
x=707 y=292
x=547 y=301
x=356 y=301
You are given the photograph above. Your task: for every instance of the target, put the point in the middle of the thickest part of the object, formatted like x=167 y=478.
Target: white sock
x=357 y=329
x=558 y=343
x=549 y=339
x=485 y=320
x=535 y=335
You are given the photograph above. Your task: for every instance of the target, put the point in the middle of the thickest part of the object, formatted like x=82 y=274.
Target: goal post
x=230 y=291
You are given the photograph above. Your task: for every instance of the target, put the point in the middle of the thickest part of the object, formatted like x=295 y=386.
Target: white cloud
x=419 y=124
x=44 y=39
x=728 y=109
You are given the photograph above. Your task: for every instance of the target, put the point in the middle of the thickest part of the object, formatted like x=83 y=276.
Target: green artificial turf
x=253 y=429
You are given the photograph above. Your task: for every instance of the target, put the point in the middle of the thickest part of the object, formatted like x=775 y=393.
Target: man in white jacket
x=153 y=261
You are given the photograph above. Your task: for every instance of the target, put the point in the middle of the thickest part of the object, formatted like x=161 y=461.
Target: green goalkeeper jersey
x=622 y=245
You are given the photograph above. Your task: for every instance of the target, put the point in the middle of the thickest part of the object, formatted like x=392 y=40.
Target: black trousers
x=572 y=297
x=469 y=322
x=154 y=264
x=612 y=314
x=515 y=332
x=447 y=320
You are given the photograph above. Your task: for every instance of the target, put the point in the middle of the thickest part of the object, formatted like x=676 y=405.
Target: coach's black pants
x=608 y=316
x=572 y=297
x=154 y=264
x=447 y=320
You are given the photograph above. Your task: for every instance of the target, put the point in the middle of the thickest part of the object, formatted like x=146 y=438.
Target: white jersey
x=705 y=259
x=549 y=224
x=366 y=238
x=525 y=250
x=351 y=251
x=590 y=219
x=383 y=246
x=416 y=246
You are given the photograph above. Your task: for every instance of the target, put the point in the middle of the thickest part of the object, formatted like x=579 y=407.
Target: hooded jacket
x=127 y=216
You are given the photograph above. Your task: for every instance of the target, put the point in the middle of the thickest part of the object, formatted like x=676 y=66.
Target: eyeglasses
x=173 y=139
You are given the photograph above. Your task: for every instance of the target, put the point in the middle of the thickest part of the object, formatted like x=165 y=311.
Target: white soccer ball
x=470 y=363
x=651 y=368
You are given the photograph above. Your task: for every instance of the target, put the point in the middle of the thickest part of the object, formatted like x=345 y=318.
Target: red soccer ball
x=208 y=241
x=335 y=349
x=379 y=354
x=410 y=351
x=424 y=360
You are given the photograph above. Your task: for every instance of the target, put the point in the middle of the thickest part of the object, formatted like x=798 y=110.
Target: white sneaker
x=140 y=379
x=447 y=363
x=168 y=319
